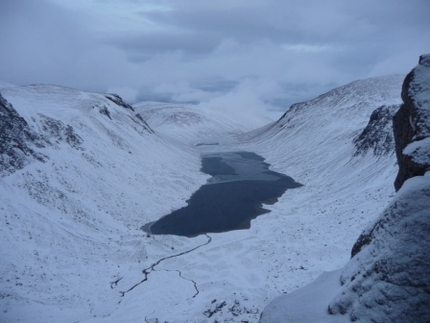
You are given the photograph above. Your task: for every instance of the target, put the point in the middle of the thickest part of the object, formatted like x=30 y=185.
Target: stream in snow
x=241 y=183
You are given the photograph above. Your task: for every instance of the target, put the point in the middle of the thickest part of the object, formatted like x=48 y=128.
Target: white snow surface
x=419 y=151
x=387 y=281
x=307 y=304
x=72 y=249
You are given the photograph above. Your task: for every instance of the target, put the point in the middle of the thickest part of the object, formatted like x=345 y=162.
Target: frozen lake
x=241 y=183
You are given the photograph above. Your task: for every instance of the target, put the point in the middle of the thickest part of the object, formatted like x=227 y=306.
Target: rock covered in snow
x=24 y=138
x=388 y=280
x=17 y=140
x=377 y=136
x=412 y=124
x=115 y=98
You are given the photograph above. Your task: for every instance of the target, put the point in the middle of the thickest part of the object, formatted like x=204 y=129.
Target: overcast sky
x=238 y=53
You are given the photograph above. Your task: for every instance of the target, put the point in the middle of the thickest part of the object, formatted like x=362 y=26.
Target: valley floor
x=225 y=277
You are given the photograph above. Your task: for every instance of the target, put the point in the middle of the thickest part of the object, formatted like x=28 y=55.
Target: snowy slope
x=387 y=278
x=315 y=143
x=79 y=215
x=71 y=222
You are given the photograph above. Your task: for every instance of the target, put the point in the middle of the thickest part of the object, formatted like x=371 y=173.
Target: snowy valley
x=80 y=173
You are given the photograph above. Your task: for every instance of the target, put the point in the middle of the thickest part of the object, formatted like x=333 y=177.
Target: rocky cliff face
x=17 y=140
x=21 y=144
x=377 y=136
x=412 y=124
x=25 y=138
x=388 y=277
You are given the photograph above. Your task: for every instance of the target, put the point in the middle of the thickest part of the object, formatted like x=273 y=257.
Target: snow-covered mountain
x=387 y=278
x=193 y=124
x=78 y=172
x=92 y=170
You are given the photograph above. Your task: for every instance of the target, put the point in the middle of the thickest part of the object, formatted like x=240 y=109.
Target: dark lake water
x=241 y=183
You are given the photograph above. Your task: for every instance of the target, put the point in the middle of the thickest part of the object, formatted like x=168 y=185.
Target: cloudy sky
x=237 y=53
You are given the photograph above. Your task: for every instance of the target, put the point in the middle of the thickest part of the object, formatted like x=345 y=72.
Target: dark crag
x=241 y=183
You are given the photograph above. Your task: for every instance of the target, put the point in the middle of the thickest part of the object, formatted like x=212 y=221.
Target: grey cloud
x=367 y=30
x=41 y=42
x=142 y=47
x=311 y=21
x=279 y=51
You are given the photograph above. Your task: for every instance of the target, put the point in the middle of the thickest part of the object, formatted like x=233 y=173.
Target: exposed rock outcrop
x=54 y=131
x=115 y=98
x=24 y=137
x=412 y=124
x=21 y=144
x=377 y=136
x=17 y=140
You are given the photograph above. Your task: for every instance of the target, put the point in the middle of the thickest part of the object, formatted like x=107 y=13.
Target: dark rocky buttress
x=21 y=144
x=377 y=136
x=412 y=122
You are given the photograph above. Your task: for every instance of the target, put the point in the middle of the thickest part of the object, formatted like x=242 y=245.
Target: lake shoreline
x=240 y=186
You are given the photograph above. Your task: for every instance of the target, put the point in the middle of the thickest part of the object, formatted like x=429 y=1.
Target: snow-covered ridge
x=322 y=131
x=189 y=123
x=47 y=116
x=387 y=278
x=71 y=217
x=347 y=102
